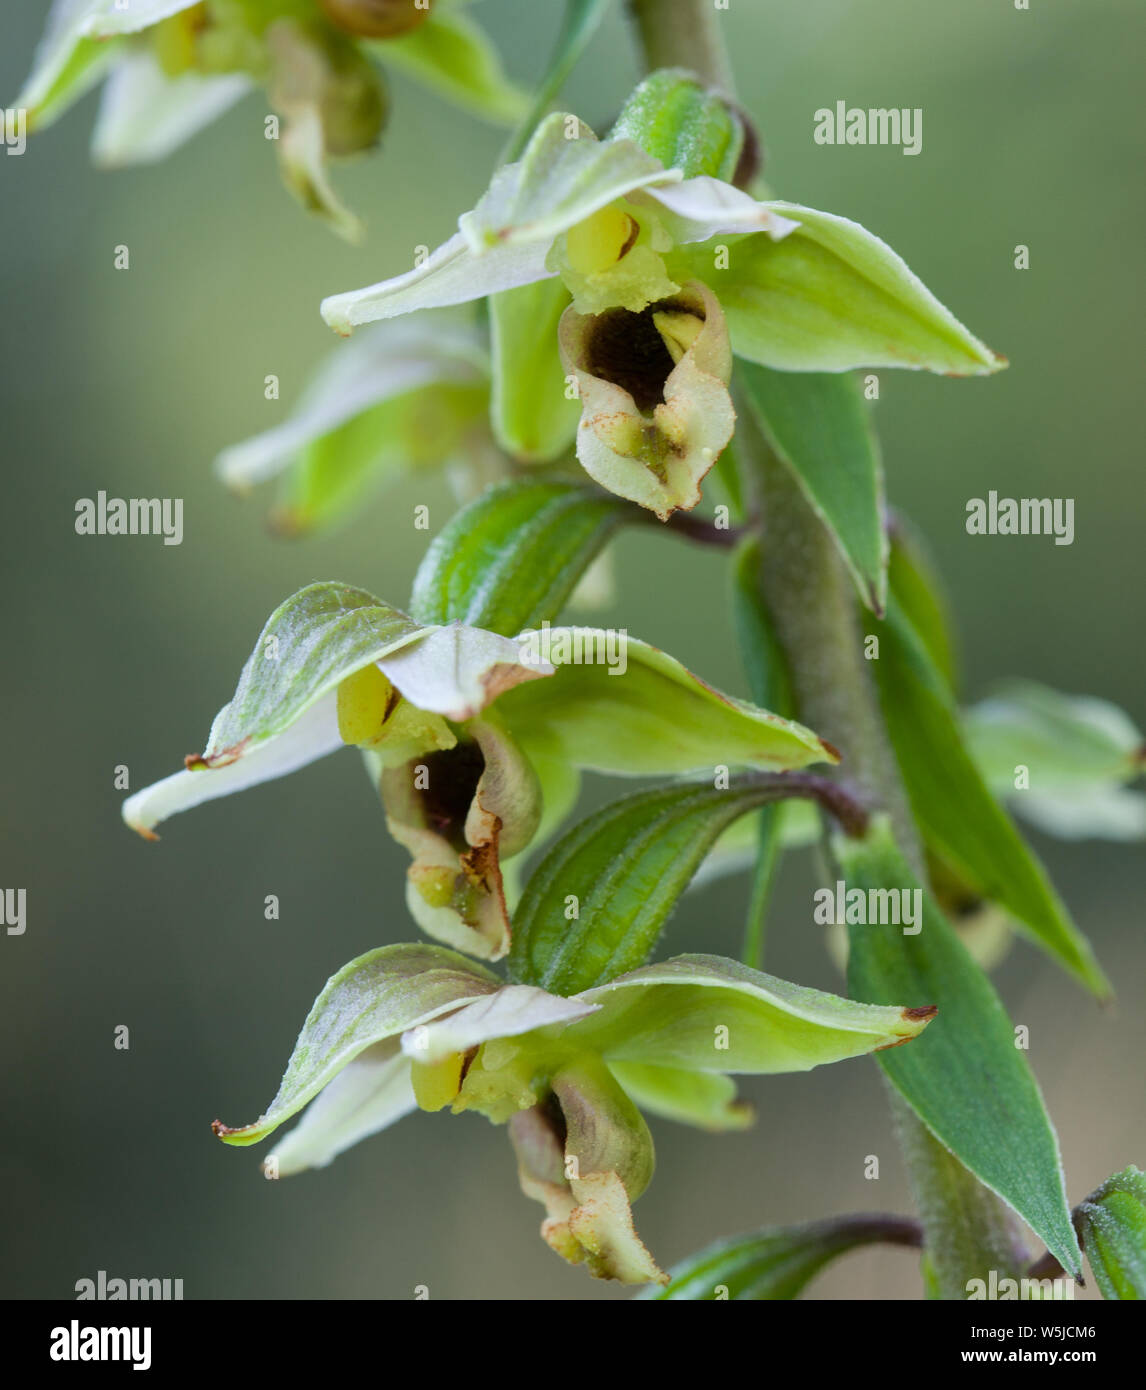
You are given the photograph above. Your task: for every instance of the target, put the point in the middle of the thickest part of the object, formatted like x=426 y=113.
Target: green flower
x=172 y=66
x=1062 y=762
x=401 y=397
x=407 y=1026
x=474 y=740
x=639 y=279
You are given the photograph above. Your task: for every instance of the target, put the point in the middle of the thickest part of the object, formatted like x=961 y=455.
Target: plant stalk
x=808 y=595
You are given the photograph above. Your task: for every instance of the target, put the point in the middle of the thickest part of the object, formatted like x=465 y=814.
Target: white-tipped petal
x=453 y=274
x=457 y=671
x=144 y=114
x=704 y=207
x=368 y=1095
x=514 y=1010
x=312 y=736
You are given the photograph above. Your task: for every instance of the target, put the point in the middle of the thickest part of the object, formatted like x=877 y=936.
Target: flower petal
x=458 y=812
x=587 y=1171
x=68 y=63
x=401 y=396
x=378 y=996
x=452 y=274
x=655 y=454
x=312 y=736
x=828 y=297
x=144 y=114
x=451 y=55
x=708 y=1014
x=705 y=207
x=456 y=671
x=565 y=174
x=282 y=715
x=704 y=1099
x=514 y=1010
x=368 y=1095
x=651 y=718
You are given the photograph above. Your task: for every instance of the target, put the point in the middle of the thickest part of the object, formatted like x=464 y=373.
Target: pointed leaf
x=966 y=1080
x=920 y=595
x=959 y=818
x=378 y=996
x=67 y=64
x=829 y=297
x=511 y=559
x=704 y=1099
x=819 y=427
x=624 y=868
x=708 y=1014
x=779 y=1263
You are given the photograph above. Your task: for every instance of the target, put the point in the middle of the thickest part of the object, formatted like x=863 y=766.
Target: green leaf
x=450 y=54
x=819 y=427
x=704 y=1099
x=582 y=18
x=687 y=126
x=509 y=560
x=829 y=297
x=917 y=590
x=966 y=1080
x=777 y=1263
x=378 y=996
x=959 y=818
x=624 y=867
x=708 y=1014
x=1077 y=752
x=530 y=414
x=1112 y=1223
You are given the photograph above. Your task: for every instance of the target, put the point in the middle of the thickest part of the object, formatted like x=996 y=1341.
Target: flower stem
x=683 y=34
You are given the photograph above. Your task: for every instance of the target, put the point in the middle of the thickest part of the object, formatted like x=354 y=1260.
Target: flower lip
x=629 y=350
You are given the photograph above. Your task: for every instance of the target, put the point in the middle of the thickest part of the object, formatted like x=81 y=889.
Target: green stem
x=809 y=598
x=683 y=34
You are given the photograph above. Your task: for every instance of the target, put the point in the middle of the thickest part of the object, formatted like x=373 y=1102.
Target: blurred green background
x=119 y=651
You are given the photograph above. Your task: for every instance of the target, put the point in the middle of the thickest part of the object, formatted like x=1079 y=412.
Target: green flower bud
x=685 y=125
x=1112 y=1224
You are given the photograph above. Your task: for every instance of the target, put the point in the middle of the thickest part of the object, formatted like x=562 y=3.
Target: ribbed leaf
x=819 y=427
x=959 y=818
x=776 y=1264
x=597 y=903
x=509 y=560
x=965 y=1079
x=916 y=588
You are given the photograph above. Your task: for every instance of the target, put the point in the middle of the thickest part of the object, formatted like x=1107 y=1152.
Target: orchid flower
x=473 y=739
x=400 y=397
x=173 y=66
x=417 y=1026
x=626 y=268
